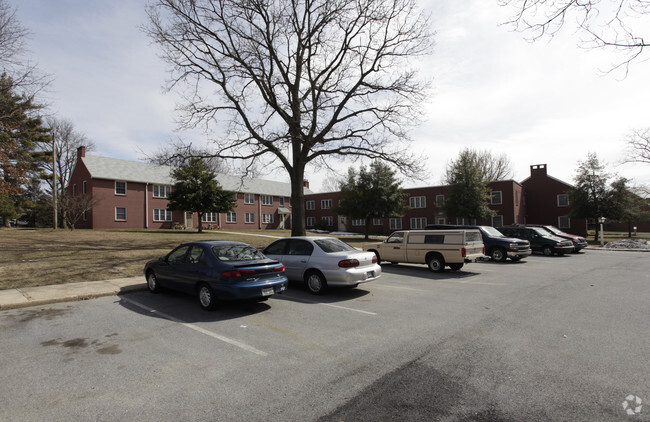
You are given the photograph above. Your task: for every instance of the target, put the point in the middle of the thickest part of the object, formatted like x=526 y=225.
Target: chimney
x=538 y=170
x=81 y=152
x=305 y=183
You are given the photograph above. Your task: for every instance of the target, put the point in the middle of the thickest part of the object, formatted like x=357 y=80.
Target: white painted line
x=199 y=329
x=329 y=304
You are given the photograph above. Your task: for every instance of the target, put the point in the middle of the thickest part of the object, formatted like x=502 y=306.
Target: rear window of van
x=473 y=237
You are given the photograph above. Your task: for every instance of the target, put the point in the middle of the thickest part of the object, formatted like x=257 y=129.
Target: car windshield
x=333 y=245
x=554 y=230
x=236 y=253
x=491 y=231
x=540 y=231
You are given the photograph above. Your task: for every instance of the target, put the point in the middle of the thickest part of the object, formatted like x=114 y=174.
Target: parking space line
x=199 y=329
x=330 y=305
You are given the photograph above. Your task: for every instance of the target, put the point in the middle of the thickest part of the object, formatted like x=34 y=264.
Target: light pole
x=54 y=188
x=601 y=220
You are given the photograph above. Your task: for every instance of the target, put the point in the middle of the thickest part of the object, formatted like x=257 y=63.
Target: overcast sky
x=541 y=103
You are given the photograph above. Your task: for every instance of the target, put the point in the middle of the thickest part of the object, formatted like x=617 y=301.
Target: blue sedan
x=217 y=270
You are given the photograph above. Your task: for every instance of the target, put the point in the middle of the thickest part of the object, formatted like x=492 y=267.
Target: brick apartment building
x=133 y=195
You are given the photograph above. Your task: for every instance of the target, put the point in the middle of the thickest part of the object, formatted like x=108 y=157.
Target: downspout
x=259 y=212
x=146 y=206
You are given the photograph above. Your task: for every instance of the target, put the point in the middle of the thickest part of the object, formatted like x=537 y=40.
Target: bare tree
x=495 y=167
x=73 y=207
x=614 y=24
x=303 y=81
x=638 y=146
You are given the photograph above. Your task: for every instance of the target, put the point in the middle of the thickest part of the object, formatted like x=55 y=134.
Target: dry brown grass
x=43 y=257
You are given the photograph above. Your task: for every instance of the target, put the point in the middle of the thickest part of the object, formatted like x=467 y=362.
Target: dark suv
x=579 y=242
x=497 y=246
x=541 y=240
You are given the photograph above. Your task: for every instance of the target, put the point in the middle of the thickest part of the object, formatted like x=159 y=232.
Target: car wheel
x=456 y=267
x=152 y=282
x=316 y=282
x=206 y=296
x=499 y=254
x=548 y=251
x=436 y=263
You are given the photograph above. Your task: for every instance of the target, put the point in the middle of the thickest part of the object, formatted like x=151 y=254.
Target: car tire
x=436 y=263
x=206 y=296
x=316 y=282
x=456 y=267
x=547 y=250
x=499 y=254
x=152 y=282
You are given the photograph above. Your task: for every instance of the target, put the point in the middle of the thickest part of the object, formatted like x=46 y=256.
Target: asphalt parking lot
x=548 y=338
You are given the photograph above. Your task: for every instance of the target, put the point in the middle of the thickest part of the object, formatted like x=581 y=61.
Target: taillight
x=348 y=263
x=464 y=252
x=238 y=273
x=483 y=249
x=279 y=269
x=374 y=259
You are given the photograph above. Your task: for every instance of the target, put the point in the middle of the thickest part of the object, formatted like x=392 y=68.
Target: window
x=377 y=221
x=161 y=191
x=161 y=214
x=250 y=217
x=440 y=201
x=516 y=198
x=209 y=217
x=329 y=221
x=418 y=223
x=395 y=223
x=497 y=221
x=311 y=221
x=74 y=189
x=85 y=187
x=310 y=205
x=120 y=188
x=442 y=220
x=249 y=198
x=359 y=222
x=196 y=256
x=395 y=237
x=418 y=202
x=267 y=218
x=85 y=215
x=231 y=217
x=267 y=200
x=496 y=197
x=563 y=200
x=326 y=204
x=281 y=200
x=436 y=239
x=120 y=213
x=564 y=222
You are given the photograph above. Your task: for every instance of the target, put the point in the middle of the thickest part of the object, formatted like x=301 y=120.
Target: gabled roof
x=140 y=172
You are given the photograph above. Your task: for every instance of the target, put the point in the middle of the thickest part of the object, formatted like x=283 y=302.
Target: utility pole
x=54 y=187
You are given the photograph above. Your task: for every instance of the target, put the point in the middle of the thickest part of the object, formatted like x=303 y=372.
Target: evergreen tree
x=196 y=190
x=590 y=199
x=20 y=130
x=372 y=193
x=469 y=195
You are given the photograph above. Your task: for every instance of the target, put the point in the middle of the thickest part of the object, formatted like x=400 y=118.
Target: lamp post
x=54 y=188
x=601 y=220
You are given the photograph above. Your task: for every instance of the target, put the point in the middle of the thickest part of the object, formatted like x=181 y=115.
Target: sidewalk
x=34 y=296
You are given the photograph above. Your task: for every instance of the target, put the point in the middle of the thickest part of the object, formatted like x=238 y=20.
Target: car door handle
x=304 y=261
x=396 y=247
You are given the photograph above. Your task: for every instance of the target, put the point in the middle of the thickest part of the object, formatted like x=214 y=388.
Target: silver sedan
x=322 y=261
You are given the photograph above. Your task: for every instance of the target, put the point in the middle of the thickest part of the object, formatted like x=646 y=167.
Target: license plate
x=267 y=292
x=370 y=274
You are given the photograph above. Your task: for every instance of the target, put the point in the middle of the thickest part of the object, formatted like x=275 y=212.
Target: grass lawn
x=44 y=256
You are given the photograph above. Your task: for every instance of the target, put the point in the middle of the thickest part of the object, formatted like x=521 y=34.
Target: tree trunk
x=298 y=201
x=200 y=217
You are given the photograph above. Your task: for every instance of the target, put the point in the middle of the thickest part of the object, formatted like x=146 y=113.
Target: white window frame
x=562 y=218
x=440 y=200
x=85 y=187
x=125 y=214
x=418 y=223
x=249 y=198
x=310 y=205
x=161 y=191
x=395 y=223
x=565 y=197
x=359 y=222
x=497 y=221
x=267 y=218
x=418 y=201
x=267 y=199
x=231 y=217
x=74 y=189
x=120 y=183
x=209 y=217
x=329 y=219
x=281 y=201
x=249 y=218
x=162 y=214
x=311 y=221
x=325 y=204
x=377 y=221
x=498 y=193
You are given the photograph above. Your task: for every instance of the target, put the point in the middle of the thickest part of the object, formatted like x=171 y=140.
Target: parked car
x=540 y=240
x=217 y=270
x=497 y=246
x=579 y=242
x=436 y=248
x=322 y=261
